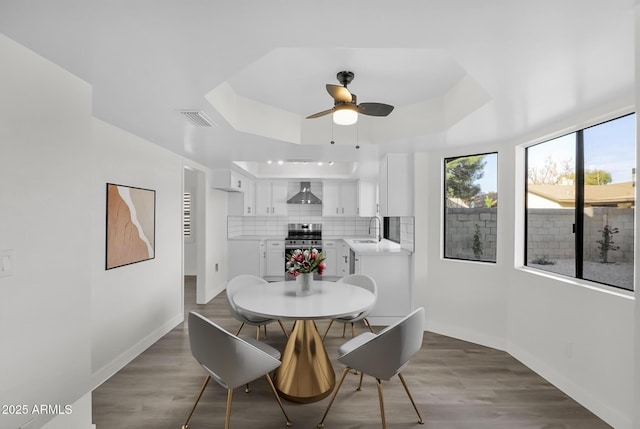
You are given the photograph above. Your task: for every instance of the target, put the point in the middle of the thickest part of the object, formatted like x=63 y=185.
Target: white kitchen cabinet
x=271 y=198
x=330 y=257
x=227 y=180
x=392 y=273
x=245 y=257
x=342 y=259
x=243 y=203
x=249 y=198
x=275 y=258
x=396 y=185
x=339 y=199
x=367 y=198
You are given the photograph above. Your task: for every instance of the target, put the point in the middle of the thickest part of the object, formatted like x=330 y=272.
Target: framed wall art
x=131 y=225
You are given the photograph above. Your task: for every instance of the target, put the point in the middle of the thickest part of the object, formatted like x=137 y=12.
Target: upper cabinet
x=228 y=180
x=249 y=198
x=242 y=194
x=271 y=198
x=367 y=198
x=396 y=185
x=339 y=199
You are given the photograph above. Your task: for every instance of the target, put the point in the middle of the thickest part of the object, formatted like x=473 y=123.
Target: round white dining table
x=326 y=300
x=306 y=374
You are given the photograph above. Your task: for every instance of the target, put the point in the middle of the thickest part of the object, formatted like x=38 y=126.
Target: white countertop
x=257 y=237
x=365 y=245
x=369 y=246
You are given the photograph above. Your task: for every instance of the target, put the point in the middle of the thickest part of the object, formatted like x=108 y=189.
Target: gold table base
x=306 y=374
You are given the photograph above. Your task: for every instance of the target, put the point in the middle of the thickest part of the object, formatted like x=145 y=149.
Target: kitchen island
x=385 y=261
x=390 y=266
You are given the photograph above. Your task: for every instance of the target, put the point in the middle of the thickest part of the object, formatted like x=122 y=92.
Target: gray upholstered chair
x=231 y=361
x=363 y=281
x=382 y=356
x=234 y=285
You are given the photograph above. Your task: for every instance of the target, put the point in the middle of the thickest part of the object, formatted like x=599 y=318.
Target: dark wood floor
x=456 y=385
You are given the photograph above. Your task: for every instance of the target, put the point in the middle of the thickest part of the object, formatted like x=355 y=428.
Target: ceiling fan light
x=345 y=114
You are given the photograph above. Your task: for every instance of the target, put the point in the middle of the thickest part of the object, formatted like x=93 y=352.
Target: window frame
x=445 y=160
x=187 y=215
x=579 y=189
x=389 y=232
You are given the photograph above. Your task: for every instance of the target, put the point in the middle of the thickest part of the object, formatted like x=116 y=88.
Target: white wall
x=215 y=245
x=67 y=324
x=135 y=305
x=578 y=337
x=463 y=299
x=45 y=218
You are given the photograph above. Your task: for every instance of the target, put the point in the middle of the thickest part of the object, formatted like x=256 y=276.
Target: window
x=580 y=203
x=392 y=228
x=186 y=214
x=471 y=207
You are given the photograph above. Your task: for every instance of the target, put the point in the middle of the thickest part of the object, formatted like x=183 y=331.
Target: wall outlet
x=216 y=267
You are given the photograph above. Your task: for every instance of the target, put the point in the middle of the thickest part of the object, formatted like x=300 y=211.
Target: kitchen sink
x=365 y=241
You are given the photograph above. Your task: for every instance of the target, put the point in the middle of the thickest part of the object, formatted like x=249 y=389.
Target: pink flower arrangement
x=305 y=261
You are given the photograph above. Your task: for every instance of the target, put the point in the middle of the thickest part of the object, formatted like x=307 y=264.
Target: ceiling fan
x=345 y=109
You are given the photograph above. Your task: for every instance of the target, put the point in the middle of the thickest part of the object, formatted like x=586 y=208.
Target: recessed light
x=269 y=162
x=320 y=163
x=330 y=162
x=280 y=162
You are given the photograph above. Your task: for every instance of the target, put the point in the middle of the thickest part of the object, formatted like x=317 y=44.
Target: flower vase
x=304 y=281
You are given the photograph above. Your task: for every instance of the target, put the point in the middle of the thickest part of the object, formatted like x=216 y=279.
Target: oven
x=303 y=236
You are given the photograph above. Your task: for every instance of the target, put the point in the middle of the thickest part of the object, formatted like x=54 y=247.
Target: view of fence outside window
x=471 y=207
x=581 y=201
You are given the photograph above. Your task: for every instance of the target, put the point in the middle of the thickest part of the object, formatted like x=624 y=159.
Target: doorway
x=193 y=250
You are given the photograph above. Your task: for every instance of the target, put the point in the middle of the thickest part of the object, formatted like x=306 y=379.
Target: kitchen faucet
x=379 y=226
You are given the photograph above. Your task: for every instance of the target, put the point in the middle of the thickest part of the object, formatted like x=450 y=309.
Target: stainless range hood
x=304 y=196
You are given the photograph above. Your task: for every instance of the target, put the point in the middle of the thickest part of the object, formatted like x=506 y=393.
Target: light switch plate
x=6 y=263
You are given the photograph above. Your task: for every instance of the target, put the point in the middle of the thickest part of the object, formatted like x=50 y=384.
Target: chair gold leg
x=406 y=388
x=227 y=417
x=240 y=329
x=257 y=332
x=265 y=331
x=335 y=393
x=204 y=386
x=283 y=330
x=360 y=384
x=353 y=330
x=344 y=329
x=384 y=421
x=275 y=394
x=327 y=331
x=366 y=322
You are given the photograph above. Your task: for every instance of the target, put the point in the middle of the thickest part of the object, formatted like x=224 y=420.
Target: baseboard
x=583 y=397
x=383 y=320
x=466 y=335
x=104 y=373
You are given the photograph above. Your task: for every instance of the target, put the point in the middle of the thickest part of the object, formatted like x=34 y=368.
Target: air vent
x=199 y=119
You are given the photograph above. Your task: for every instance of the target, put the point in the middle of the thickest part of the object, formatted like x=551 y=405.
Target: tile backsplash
x=331 y=226
x=278 y=225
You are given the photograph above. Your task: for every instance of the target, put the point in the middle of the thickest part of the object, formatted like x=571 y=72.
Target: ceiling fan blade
x=339 y=93
x=317 y=115
x=375 y=109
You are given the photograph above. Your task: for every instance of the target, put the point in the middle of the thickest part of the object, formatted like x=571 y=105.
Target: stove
x=303 y=236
